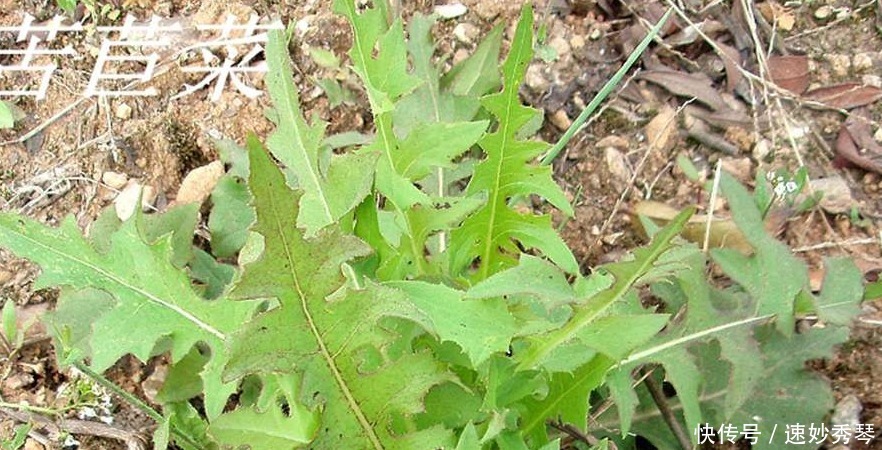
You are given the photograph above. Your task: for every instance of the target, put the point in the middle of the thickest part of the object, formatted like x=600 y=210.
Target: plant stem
x=29 y=408
x=135 y=401
x=658 y=396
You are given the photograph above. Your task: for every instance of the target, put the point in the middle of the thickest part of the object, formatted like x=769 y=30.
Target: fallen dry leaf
x=661 y=131
x=775 y=13
x=732 y=60
x=692 y=85
x=790 y=72
x=724 y=233
x=845 y=95
x=855 y=142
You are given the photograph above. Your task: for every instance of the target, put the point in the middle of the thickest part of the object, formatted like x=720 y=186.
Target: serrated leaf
x=773 y=276
x=532 y=276
x=330 y=191
x=710 y=315
x=479 y=73
x=213 y=276
x=627 y=274
x=841 y=292
x=789 y=394
x=567 y=399
x=311 y=332
x=479 y=327
x=268 y=430
x=230 y=216
x=145 y=311
x=492 y=233
x=384 y=72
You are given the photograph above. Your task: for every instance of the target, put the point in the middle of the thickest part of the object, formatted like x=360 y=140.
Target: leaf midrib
x=505 y=122
x=291 y=118
x=122 y=282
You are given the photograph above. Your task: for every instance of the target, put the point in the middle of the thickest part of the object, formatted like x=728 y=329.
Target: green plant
x=389 y=294
x=18 y=439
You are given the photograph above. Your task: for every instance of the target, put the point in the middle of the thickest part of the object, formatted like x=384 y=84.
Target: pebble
x=127 y=200
x=31 y=444
x=198 y=184
x=535 y=78
x=595 y=34
x=839 y=64
x=762 y=150
x=614 y=141
x=824 y=12
x=878 y=135
x=661 y=131
x=123 y=111
x=872 y=80
x=560 y=119
x=114 y=180
x=561 y=46
x=617 y=164
x=837 y=197
x=577 y=42
x=466 y=32
x=847 y=411
x=460 y=55
x=862 y=62
x=451 y=11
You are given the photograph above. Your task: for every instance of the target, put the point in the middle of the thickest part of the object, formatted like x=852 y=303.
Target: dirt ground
x=71 y=155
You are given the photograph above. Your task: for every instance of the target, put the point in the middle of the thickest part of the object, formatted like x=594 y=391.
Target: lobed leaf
x=332 y=184
x=492 y=234
x=153 y=300
x=345 y=370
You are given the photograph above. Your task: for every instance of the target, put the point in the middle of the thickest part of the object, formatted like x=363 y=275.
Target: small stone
x=878 y=135
x=762 y=150
x=127 y=200
x=847 y=412
x=872 y=80
x=561 y=46
x=114 y=180
x=739 y=167
x=31 y=444
x=488 y=10
x=302 y=26
x=595 y=34
x=614 y=141
x=837 y=197
x=560 y=120
x=5 y=276
x=839 y=64
x=466 y=32
x=451 y=11
x=123 y=111
x=577 y=42
x=198 y=184
x=535 y=78
x=460 y=55
x=19 y=381
x=862 y=62
x=661 y=131
x=617 y=164
x=824 y=12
